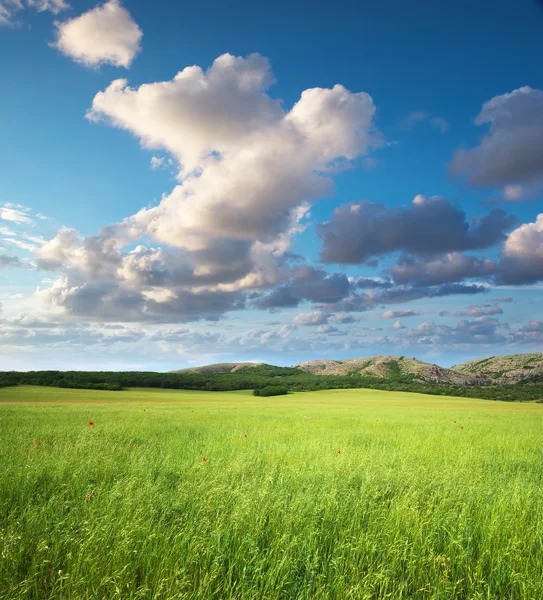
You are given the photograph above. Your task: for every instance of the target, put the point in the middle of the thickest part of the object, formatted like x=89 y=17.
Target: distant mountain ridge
x=386 y=367
x=495 y=370
x=218 y=368
x=505 y=370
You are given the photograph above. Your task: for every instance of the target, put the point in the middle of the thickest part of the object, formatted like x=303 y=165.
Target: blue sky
x=223 y=218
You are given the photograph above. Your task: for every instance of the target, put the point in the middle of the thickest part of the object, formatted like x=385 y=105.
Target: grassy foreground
x=348 y=494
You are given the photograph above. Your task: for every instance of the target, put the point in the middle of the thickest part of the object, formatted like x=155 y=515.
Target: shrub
x=271 y=390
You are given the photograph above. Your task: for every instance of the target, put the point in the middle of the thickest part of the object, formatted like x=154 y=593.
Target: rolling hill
x=495 y=370
x=505 y=370
x=387 y=367
x=218 y=368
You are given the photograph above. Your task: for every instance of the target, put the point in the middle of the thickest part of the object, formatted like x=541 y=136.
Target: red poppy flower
x=204 y=459
x=91 y=422
x=35 y=442
x=88 y=496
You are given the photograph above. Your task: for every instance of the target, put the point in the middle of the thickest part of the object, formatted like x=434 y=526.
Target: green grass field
x=348 y=494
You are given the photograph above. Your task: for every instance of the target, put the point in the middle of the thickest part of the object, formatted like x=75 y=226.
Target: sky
x=187 y=183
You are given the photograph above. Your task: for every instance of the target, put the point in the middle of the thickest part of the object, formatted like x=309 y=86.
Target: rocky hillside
x=218 y=368
x=508 y=369
x=390 y=367
x=496 y=370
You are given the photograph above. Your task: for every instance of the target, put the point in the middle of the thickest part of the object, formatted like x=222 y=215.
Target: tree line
x=261 y=377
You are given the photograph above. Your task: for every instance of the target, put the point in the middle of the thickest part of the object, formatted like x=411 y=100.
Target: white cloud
x=16 y=215
x=310 y=319
x=54 y=253
x=10 y=8
x=522 y=255
x=395 y=314
x=157 y=163
x=245 y=164
x=54 y=6
x=106 y=34
x=248 y=171
x=481 y=310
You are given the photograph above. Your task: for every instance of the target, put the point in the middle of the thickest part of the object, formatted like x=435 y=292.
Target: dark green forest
x=263 y=376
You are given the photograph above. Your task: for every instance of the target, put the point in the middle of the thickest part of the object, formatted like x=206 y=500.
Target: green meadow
x=347 y=494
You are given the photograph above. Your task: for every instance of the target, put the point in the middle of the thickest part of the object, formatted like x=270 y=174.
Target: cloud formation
x=361 y=232
x=482 y=330
x=510 y=156
x=10 y=8
x=399 y=314
x=479 y=310
x=311 y=319
x=248 y=171
x=106 y=34
x=450 y=268
x=14 y=213
x=522 y=255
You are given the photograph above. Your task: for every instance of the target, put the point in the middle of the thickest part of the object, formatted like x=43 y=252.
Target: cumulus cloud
x=482 y=330
x=520 y=262
x=10 y=8
x=305 y=284
x=342 y=319
x=417 y=117
x=452 y=267
x=247 y=167
x=510 y=156
x=361 y=232
x=53 y=254
x=399 y=314
x=531 y=333
x=479 y=310
x=310 y=319
x=522 y=254
x=532 y=326
x=106 y=34
x=248 y=172
x=327 y=329
x=399 y=294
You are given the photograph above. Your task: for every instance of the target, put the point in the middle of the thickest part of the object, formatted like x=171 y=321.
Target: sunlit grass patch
x=337 y=494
